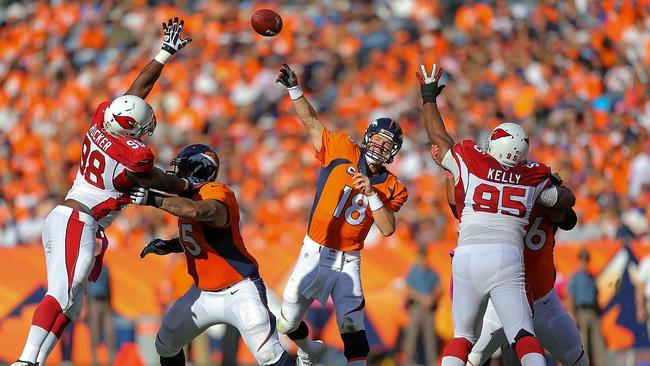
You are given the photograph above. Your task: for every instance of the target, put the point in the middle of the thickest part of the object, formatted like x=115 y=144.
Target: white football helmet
x=129 y=116
x=508 y=144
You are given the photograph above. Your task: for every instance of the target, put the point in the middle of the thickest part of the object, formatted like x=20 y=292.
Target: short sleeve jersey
x=340 y=217
x=216 y=256
x=493 y=202
x=101 y=183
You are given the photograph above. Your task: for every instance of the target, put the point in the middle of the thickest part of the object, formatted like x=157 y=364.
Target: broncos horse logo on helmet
x=198 y=161
x=375 y=153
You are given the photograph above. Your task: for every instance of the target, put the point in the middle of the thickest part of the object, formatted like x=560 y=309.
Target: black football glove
x=157 y=247
x=172 y=41
x=429 y=87
x=287 y=77
x=556 y=180
x=145 y=197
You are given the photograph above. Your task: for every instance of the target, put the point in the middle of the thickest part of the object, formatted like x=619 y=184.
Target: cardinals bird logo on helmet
x=129 y=116
x=508 y=144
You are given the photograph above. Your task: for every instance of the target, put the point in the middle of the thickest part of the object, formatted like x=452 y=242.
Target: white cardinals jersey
x=101 y=181
x=493 y=202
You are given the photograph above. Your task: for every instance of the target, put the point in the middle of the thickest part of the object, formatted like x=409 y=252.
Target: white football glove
x=145 y=197
x=172 y=41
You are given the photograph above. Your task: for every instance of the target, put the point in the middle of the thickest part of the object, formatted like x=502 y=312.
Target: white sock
x=357 y=363
x=34 y=342
x=47 y=348
x=533 y=359
x=452 y=361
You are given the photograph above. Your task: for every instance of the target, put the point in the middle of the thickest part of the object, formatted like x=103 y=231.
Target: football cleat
x=316 y=350
x=24 y=363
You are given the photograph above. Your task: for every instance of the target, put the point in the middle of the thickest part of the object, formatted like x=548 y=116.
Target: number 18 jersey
x=101 y=183
x=340 y=217
x=493 y=202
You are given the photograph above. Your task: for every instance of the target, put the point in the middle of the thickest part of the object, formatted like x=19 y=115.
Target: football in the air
x=266 y=22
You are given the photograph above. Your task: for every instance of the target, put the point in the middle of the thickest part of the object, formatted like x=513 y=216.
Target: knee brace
x=286 y=326
x=177 y=360
x=355 y=345
x=165 y=350
x=526 y=343
x=583 y=360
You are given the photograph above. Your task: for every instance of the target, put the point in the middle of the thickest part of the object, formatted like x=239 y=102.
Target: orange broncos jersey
x=216 y=257
x=340 y=217
x=538 y=253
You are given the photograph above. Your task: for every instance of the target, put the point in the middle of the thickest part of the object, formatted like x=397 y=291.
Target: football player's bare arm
x=158 y=180
x=142 y=85
x=385 y=220
x=304 y=109
x=172 y=42
x=449 y=181
x=211 y=210
x=431 y=117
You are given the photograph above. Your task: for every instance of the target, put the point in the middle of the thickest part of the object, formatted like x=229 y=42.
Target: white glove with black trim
x=145 y=197
x=172 y=40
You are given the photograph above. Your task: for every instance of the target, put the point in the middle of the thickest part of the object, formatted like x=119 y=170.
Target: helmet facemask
x=198 y=165
x=378 y=153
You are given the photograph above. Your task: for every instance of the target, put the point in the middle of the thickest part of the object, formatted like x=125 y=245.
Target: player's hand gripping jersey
x=493 y=202
x=340 y=217
x=216 y=257
x=101 y=181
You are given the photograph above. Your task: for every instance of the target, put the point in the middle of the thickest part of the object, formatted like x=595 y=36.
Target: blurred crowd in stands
x=574 y=73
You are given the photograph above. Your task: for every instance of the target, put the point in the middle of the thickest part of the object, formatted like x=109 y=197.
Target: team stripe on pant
x=72 y=244
x=261 y=291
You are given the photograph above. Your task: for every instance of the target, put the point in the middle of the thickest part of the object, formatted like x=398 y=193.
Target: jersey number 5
x=356 y=212
x=488 y=198
x=189 y=244
x=92 y=165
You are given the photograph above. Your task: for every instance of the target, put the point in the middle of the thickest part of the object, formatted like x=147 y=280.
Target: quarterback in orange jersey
x=553 y=326
x=227 y=286
x=354 y=190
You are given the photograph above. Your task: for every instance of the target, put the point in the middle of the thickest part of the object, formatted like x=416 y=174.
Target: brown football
x=266 y=22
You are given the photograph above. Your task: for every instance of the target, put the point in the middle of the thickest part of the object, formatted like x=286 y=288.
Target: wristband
x=295 y=92
x=428 y=93
x=156 y=201
x=162 y=56
x=375 y=202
